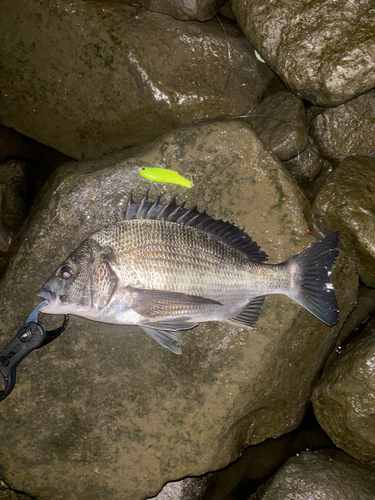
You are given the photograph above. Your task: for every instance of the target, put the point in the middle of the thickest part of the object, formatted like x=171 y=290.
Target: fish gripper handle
x=29 y=337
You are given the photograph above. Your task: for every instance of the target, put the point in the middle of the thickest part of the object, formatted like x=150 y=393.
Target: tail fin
x=312 y=288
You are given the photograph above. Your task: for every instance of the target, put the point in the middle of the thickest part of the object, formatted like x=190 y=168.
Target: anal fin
x=249 y=314
x=167 y=333
x=166 y=338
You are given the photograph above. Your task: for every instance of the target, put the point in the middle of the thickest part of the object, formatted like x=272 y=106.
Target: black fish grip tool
x=32 y=335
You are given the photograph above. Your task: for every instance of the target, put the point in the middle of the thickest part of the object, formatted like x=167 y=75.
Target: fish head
x=83 y=284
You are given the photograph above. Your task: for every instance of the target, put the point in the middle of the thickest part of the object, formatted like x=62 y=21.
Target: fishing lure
x=164 y=175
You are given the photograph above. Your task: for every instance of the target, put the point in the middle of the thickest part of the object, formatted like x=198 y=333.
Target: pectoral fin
x=158 y=303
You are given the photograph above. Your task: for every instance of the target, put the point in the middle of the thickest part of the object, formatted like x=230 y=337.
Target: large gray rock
x=347 y=130
x=323 y=474
x=323 y=51
x=344 y=398
x=346 y=202
x=91 y=78
x=308 y=164
x=280 y=121
x=108 y=407
x=190 y=488
x=364 y=308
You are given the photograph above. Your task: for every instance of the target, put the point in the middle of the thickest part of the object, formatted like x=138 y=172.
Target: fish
x=167 y=268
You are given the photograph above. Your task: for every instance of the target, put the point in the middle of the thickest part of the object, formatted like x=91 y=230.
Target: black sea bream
x=166 y=268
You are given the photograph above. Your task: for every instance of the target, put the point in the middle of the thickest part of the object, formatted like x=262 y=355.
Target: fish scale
x=177 y=258
x=167 y=268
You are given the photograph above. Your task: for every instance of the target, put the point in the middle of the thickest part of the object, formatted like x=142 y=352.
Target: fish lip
x=47 y=295
x=54 y=301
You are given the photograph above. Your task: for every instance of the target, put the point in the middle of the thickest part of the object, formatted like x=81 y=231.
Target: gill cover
x=85 y=278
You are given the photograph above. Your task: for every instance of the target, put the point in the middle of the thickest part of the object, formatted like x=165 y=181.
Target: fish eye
x=66 y=272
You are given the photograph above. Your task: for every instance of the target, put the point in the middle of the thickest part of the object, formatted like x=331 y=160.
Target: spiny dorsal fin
x=172 y=212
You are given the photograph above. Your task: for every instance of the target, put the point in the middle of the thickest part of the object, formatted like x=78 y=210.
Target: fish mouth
x=52 y=297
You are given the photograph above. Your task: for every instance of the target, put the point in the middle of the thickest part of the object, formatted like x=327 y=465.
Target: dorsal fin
x=172 y=212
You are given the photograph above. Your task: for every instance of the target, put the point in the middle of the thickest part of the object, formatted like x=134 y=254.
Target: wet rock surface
x=323 y=51
x=348 y=129
x=346 y=203
x=111 y=75
x=327 y=474
x=111 y=409
x=7 y=493
x=190 y=488
x=363 y=310
x=344 y=398
x=280 y=121
x=307 y=165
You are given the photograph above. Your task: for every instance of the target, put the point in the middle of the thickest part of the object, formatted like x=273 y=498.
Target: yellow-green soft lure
x=164 y=175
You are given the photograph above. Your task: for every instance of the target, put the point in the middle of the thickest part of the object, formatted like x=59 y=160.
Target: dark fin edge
x=316 y=293
x=172 y=212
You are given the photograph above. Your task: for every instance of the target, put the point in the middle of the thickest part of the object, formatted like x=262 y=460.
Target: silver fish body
x=166 y=269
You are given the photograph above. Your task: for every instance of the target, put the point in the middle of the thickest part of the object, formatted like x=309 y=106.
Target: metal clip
x=32 y=335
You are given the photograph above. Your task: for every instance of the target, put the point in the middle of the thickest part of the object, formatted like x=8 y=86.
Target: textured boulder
x=347 y=130
x=91 y=78
x=107 y=406
x=307 y=165
x=327 y=474
x=364 y=308
x=346 y=202
x=7 y=493
x=190 y=488
x=344 y=398
x=280 y=121
x=322 y=50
